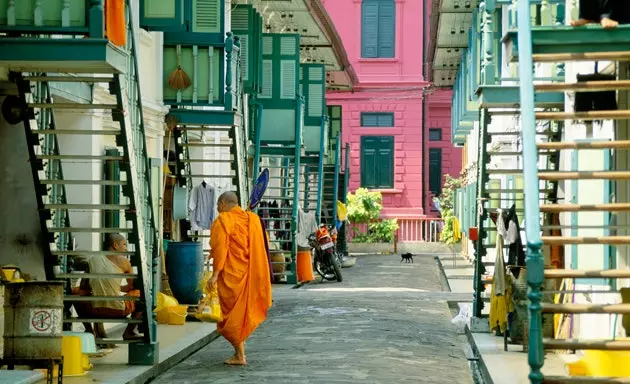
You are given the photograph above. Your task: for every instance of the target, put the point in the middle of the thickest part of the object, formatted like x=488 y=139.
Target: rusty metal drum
x=33 y=319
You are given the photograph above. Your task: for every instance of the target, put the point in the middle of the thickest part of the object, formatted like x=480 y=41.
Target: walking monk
x=241 y=272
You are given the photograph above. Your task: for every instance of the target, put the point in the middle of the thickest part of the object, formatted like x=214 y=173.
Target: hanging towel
x=457 y=235
x=498 y=298
x=201 y=206
x=307 y=224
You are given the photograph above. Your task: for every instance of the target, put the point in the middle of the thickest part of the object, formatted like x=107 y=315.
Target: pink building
x=394 y=149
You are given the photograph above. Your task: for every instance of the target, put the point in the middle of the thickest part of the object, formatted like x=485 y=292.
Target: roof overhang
x=448 y=37
x=320 y=43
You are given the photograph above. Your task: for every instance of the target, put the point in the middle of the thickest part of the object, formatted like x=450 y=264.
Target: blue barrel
x=184 y=267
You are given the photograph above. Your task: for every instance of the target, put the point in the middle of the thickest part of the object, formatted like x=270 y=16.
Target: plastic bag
x=461 y=320
x=203 y=283
x=209 y=308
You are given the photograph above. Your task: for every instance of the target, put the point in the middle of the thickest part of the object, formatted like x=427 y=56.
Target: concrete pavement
x=386 y=323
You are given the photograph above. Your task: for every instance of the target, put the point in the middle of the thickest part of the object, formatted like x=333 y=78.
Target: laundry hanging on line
x=202 y=207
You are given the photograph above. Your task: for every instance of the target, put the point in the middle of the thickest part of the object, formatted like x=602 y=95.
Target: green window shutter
x=240 y=18
x=435 y=170
x=386 y=28
x=267 y=45
x=207 y=16
x=369 y=29
x=161 y=15
x=267 y=80
x=111 y=193
x=378 y=28
x=315 y=100
x=288 y=77
x=245 y=56
x=377 y=119
x=377 y=161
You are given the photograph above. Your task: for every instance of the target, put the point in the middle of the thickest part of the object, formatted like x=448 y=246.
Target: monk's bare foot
x=235 y=361
x=609 y=23
x=581 y=22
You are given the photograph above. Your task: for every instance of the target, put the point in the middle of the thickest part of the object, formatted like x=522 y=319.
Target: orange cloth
x=115 y=22
x=238 y=250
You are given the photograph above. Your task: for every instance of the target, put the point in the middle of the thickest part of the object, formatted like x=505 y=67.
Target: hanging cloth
x=498 y=298
x=457 y=234
x=115 y=22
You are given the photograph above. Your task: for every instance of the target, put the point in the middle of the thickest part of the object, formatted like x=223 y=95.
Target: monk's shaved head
x=227 y=201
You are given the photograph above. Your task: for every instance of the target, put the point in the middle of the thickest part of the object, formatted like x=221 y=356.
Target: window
x=378 y=28
x=334 y=127
x=377 y=119
x=435 y=171
x=377 y=162
x=435 y=134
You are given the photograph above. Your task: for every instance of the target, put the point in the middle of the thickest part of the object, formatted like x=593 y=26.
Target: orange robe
x=239 y=254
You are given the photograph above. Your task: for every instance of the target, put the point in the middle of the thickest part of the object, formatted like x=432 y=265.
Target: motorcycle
x=327 y=261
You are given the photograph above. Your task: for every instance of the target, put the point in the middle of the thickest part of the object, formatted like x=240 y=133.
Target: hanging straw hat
x=179 y=79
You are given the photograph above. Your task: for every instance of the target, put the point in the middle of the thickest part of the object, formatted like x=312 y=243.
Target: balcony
x=57 y=36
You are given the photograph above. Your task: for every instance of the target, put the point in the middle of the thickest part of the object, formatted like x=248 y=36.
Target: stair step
x=206 y=145
x=81 y=157
x=99 y=207
x=102 y=320
x=518 y=133
x=89 y=230
x=586 y=308
x=603 y=240
x=587 y=274
x=75 y=298
x=621 y=114
x=209 y=161
x=72 y=106
x=575 y=344
x=584 y=175
x=584 y=86
x=70 y=79
x=76 y=132
x=585 y=56
x=97 y=276
x=90 y=253
x=585 y=380
x=609 y=207
x=618 y=144
x=205 y=129
x=116 y=341
x=210 y=176
x=82 y=182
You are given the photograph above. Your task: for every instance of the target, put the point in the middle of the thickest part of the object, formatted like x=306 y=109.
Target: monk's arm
x=218 y=247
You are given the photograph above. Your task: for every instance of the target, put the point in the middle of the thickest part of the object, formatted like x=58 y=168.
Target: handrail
x=94 y=19
x=140 y=140
x=535 y=261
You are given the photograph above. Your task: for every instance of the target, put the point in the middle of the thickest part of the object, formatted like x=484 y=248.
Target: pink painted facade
x=392 y=85
x=439 y=116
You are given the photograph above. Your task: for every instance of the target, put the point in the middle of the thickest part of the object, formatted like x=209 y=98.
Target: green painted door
x=435 y=170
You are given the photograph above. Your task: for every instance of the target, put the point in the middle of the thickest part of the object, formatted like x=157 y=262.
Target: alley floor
x=386 y=323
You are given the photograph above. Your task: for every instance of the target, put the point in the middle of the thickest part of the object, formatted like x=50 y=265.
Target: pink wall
x=406 y=66
x=405 y=199
x=439 y=116
x=386 y=85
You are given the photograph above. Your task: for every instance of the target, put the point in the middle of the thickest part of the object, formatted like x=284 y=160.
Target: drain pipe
x=425 y=164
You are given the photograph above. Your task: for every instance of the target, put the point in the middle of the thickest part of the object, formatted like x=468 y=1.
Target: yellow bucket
x=165 y=301
x=177 y=315
x=602 y=363
x=74 y=361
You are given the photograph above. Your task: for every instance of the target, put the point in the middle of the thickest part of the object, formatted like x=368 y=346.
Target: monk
x=241 y=272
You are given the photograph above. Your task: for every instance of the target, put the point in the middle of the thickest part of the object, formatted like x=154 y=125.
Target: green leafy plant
x=364 y=207
x=447 y=204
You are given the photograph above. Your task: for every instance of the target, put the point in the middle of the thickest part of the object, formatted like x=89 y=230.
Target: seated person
x=109 y=264
x=609 y=13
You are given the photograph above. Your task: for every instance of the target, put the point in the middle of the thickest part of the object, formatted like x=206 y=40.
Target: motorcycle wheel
x=336 y=266
x=320 y=268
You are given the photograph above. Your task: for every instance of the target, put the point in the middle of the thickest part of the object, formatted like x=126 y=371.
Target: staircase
x=588 y=180
x=213 y=154
x=279 y=220
x=59 y=196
